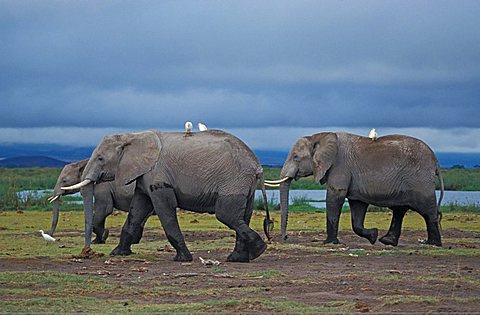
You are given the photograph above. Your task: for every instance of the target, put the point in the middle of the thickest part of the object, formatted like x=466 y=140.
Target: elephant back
x=209 y=154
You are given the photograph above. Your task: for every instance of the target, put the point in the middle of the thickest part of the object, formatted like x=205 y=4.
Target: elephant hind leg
x=235 y=212
x=358 y=210
x=431 y=220
x=393 y=234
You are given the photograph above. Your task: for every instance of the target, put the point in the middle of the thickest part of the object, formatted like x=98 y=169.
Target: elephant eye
x=295 y=157
x=100 y=158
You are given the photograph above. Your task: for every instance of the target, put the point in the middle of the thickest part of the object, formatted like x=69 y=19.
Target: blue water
x=318 y=197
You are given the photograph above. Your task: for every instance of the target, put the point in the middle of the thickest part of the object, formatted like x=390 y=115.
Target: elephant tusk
x=52 y=199
x=277 y=181
x=79 y=185
x=272 y=185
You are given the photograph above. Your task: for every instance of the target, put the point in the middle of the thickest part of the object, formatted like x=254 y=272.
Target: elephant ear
x=81 y=166
x=324 y=153
x=140 y=153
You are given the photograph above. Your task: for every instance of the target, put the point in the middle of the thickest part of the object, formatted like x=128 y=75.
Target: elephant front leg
x=136 y=216
x=393 y=234
x=165 y=204
x=335 y=200
x=101 y=212
x=358 y=211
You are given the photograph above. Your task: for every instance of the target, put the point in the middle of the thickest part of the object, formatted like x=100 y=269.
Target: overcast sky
x=72 y=72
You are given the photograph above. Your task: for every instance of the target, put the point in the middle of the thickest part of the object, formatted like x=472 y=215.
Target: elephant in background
x=395 y=171
x=209 y=171
x=107 y=196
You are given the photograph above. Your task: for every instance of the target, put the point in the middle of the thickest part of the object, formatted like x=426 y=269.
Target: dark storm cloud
x=240 y=64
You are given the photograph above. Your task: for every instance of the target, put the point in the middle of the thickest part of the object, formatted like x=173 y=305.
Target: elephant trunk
x=56 y=210
x=87 y=194
x=284 y=192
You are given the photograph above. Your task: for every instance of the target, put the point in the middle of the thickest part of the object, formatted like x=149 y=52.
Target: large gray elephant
x=395 y=171
x=107 y=195
x=210 y=171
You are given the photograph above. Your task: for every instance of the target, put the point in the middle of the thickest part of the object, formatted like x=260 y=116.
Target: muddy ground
x=301 y=275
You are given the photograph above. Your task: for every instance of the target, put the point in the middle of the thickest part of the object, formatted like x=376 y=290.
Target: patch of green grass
x=19 y=237
x=90 y=304
x=400 y=299
x=266 y=274
x=450 y=279
x=461 y=179
x=391 y=277
x=431 y=252
x=51 y=284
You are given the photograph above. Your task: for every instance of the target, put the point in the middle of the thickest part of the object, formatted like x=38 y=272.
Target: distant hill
x=31 y=161
x=55 y=151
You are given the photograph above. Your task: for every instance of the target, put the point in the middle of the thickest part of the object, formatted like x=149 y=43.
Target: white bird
x=209 y=262
x=188 y=127
x=202 y=127
x=47 y=237
x=373 y=134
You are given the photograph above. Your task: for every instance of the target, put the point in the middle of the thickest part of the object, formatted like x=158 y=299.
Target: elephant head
x=312 y=155
x=70 y=174
x=124 y=157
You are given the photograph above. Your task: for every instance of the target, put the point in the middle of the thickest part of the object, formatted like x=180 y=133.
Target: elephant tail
x=442 y=190
x=267 y=222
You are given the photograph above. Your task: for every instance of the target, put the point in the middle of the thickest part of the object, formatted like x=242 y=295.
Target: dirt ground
x=350 y=277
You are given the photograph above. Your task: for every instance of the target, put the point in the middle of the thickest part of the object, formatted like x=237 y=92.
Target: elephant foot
x=106 y=232
x=372 y=236
x=98 y=240
x=118 y=251
x=239 y=257
x=432 y=242
x=183 y=257
x=331 y=241
x=389 y=240
x=256 y=249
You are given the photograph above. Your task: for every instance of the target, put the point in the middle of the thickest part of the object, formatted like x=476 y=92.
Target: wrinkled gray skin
x=395 y=171
x=107 y=196
x=210 y=171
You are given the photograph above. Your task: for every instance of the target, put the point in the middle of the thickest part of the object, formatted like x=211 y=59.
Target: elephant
x=394 y=171
x=107 y=196
x=210 y=171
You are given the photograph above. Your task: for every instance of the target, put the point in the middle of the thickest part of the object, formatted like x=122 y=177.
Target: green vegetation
x=461 y=179
x=267 y=274
x=97 y=305
x=15 y=180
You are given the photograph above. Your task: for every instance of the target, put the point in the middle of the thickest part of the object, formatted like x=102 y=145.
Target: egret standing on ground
x=202 y=127
x=47 y=237
x=373 y=134
x=188 y=127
